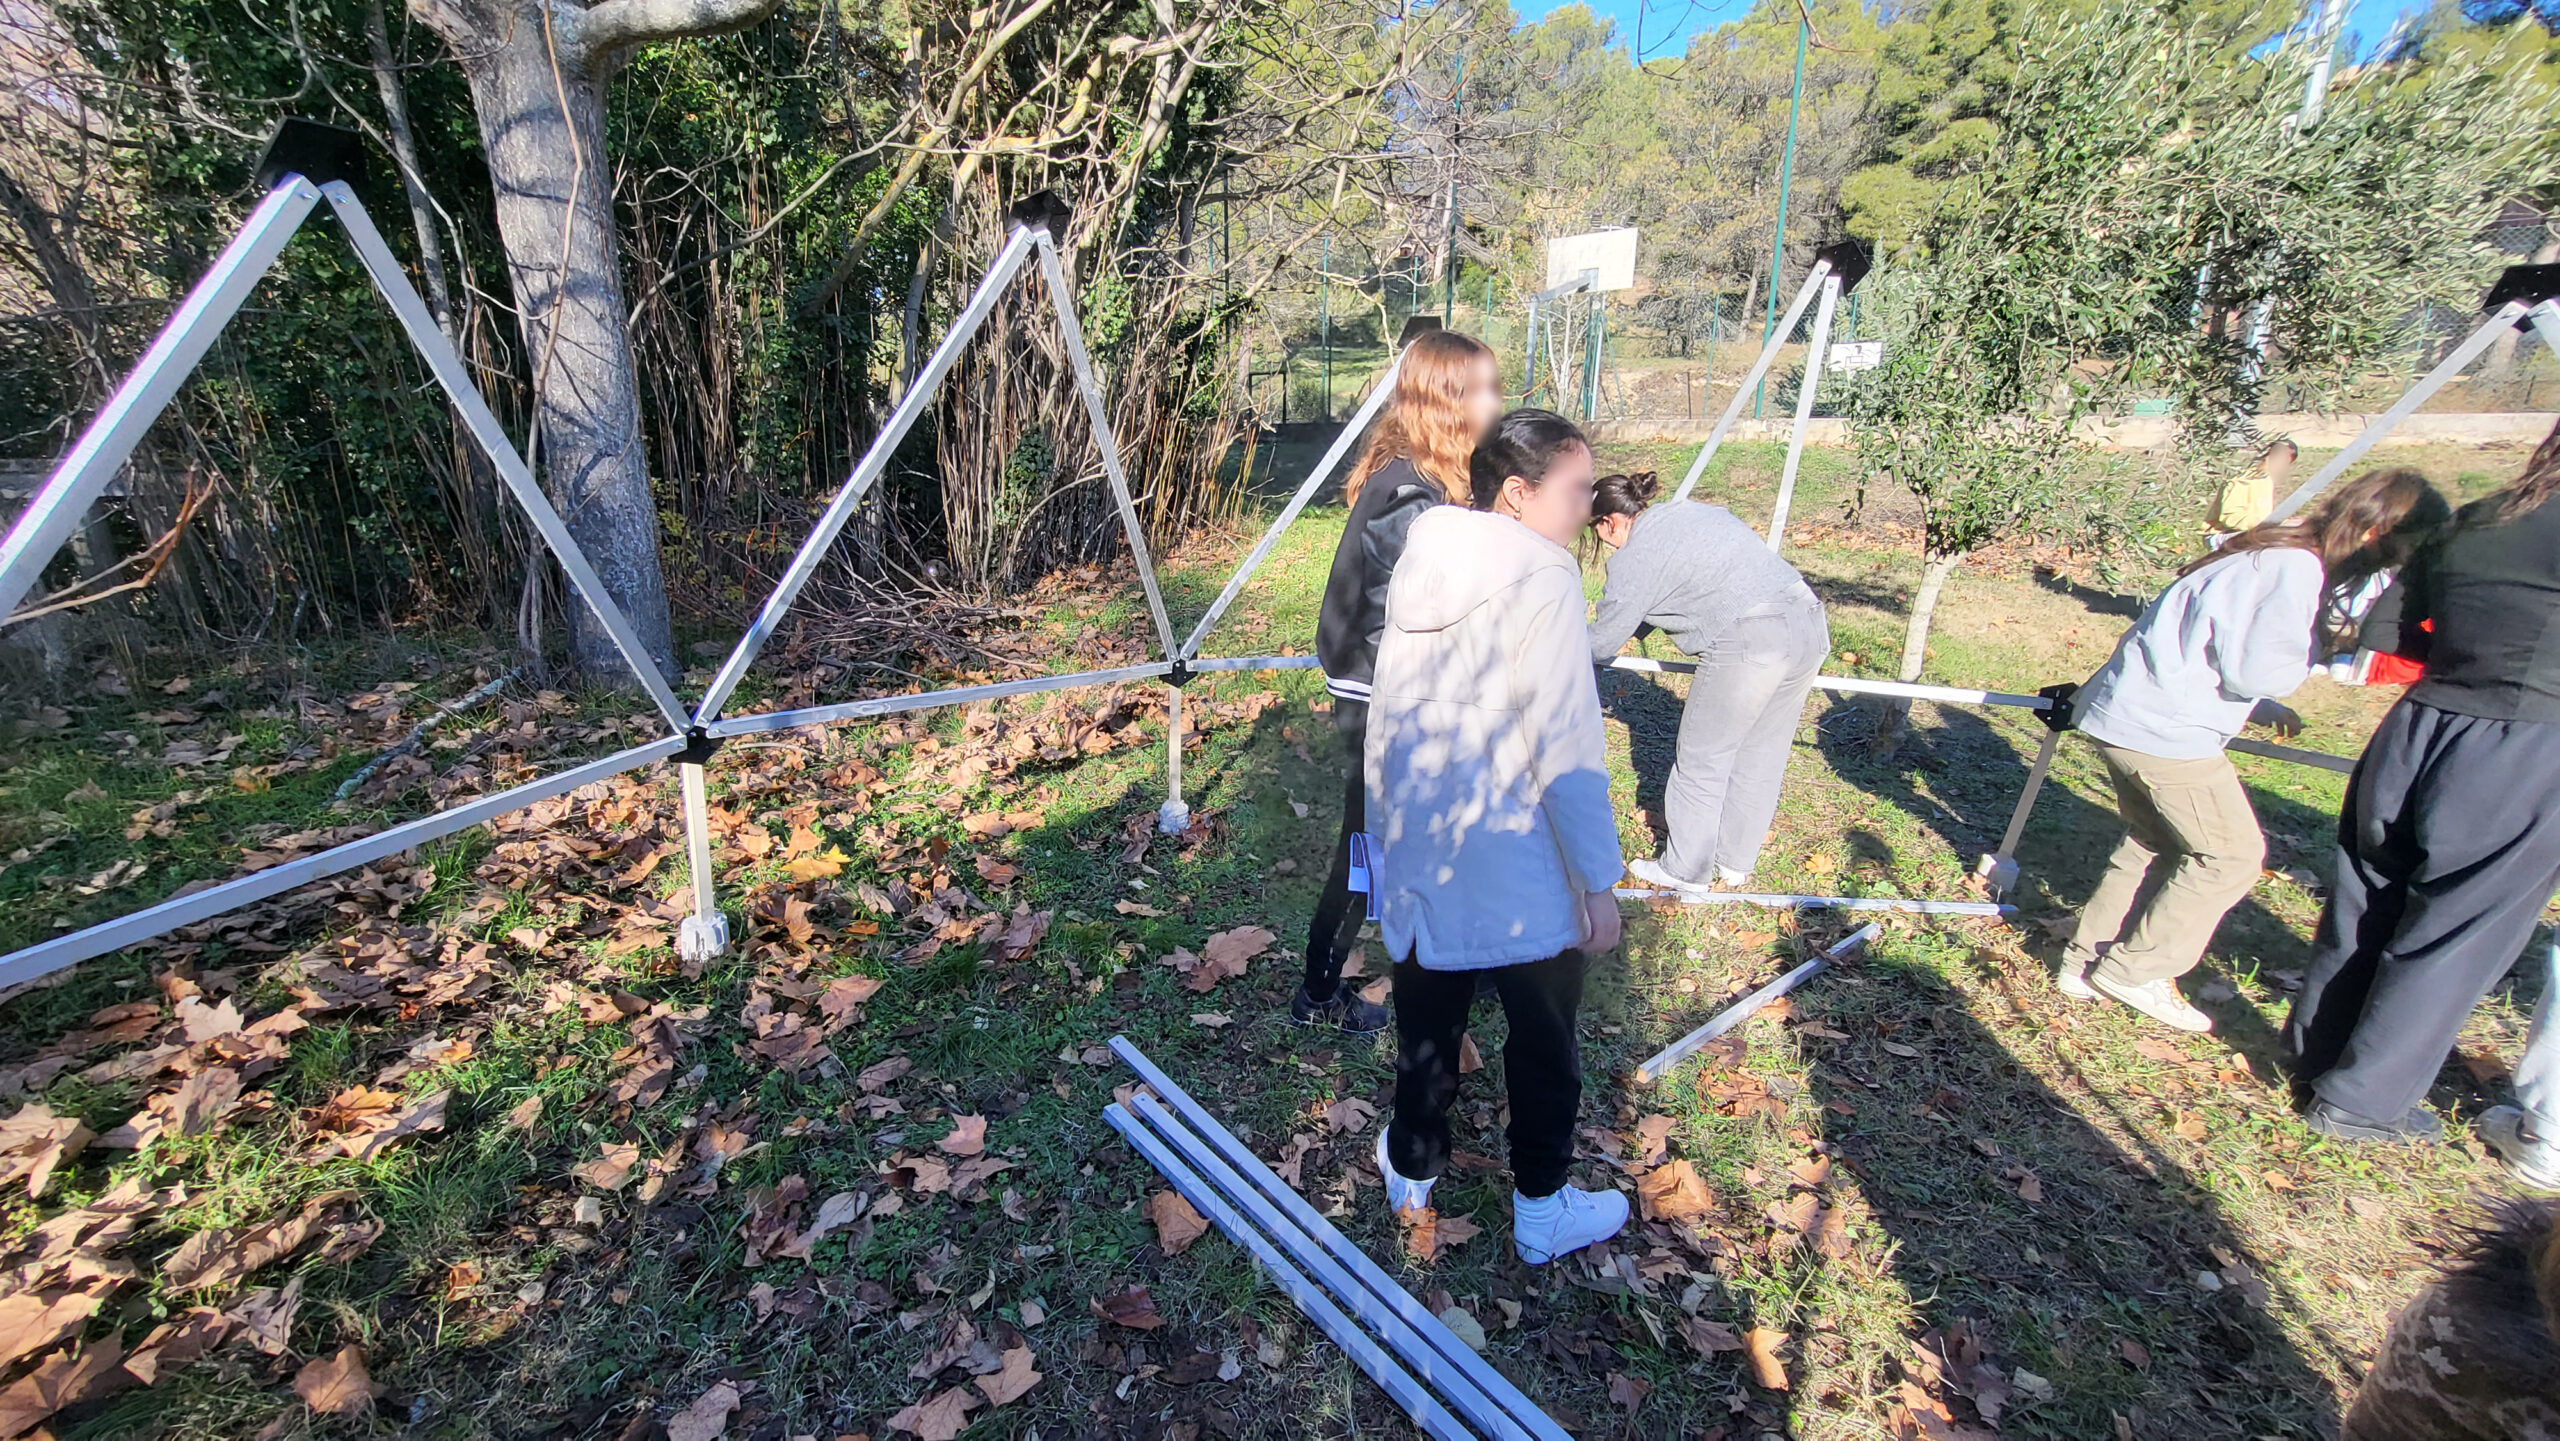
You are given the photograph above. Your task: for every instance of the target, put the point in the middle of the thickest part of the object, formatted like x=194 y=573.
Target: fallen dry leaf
x=1177 y=1223
x=1627 y=1391
x=839 y=1002
x=1014 y=1381
x=1234 y=948
x=1653 y=1138
x=834 y=1213
x=1133 y=1308
x=61 y=1380
x=708 y=1416
x=2190 y=1126
x=35 y=1142
x=1675 y=1192
x=968 y=1136
x=1470 y=1060
x=879 y=1074
x=610 y=1170
x=937 y=1418
x=1761 y=1345
x=338 y=1385
x=1350 y=1114
x=32 y=1321
x=177 y=1342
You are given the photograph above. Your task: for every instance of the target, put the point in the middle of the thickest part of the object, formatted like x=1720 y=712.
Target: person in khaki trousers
x=2220 y=647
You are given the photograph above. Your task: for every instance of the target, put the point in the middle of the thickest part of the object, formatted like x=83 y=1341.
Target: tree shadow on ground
x=2046 y=1221
x=1958 y=776
x=2099 y=602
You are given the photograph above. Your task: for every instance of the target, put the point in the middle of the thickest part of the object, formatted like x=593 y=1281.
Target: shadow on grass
x=2046 y=1221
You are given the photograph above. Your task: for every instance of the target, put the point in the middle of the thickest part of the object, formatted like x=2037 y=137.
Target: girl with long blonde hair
x=1448 y=394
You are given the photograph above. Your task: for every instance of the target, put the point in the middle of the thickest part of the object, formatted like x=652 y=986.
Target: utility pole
x=1786 y=174
x=1324 y=321
x=2327 y=16
x=1449 y=266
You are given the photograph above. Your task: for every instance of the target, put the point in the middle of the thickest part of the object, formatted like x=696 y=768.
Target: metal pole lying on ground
x=1661 y=1062
x=1364 y=1351
x=1366 y=1306
x=1777 y=901
x=1445 y=1345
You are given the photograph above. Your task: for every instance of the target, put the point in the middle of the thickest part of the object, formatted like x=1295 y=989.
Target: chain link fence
x=1674 y=349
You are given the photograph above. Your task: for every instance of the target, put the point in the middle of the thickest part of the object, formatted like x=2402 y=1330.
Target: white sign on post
x=1855 y=355
x=1612 y=253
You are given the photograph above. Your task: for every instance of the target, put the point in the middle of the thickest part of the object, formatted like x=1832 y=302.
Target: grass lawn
x=545 y=1183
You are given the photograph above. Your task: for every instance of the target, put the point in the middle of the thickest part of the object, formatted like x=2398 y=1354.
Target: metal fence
x=1674 y=347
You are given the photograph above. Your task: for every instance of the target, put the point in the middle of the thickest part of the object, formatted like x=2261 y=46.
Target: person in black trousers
x=1448 y=393
x=2449 y=841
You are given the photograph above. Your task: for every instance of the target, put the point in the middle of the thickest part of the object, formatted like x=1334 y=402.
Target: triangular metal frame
x=109 y=440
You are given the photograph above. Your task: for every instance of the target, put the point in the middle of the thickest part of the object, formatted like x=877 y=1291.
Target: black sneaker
x=2419 y=1124
x=1341 y=1009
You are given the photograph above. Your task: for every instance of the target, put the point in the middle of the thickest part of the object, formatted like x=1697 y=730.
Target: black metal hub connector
x=700 y=746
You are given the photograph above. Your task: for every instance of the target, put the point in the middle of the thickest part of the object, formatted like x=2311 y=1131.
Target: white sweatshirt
x=2182 y=682
x=1487 y=765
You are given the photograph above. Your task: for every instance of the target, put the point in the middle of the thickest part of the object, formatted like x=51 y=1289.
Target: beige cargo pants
x=2191 y=851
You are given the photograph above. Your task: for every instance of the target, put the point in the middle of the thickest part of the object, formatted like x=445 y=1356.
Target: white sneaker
x=1733 y=880
x=2157 y=999
x=2534 y=1160
x=1651 y=873
x=1402 y=1195
x=1553 y=1227
x=2073 y=981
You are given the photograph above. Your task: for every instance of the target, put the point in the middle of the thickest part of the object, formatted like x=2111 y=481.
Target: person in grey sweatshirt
x=1699 y=574
x=2234 y=634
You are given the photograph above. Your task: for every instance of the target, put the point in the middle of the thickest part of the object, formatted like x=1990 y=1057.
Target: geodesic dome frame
x=309 y=163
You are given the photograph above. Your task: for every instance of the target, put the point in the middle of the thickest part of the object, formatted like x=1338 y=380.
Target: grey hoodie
x=1486 y=761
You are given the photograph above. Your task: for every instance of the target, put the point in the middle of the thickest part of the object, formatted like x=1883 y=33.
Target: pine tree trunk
x=1915 y=650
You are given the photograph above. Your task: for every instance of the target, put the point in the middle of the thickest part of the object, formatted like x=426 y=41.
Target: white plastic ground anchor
x=1999 y=874
x=702 y=938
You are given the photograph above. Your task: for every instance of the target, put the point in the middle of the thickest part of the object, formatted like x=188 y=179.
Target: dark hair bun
x=1623 y=494
x=1523 y=443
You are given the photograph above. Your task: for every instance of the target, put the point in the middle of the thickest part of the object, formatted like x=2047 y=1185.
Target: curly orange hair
x=1426 y=423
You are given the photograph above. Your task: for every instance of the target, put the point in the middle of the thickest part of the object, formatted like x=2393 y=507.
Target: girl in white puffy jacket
x=1488 y=794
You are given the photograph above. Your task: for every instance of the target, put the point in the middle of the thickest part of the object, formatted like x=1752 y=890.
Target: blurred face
x=2279 y=463
x=1557 y=507
x=1484 y=395
x=1613 y=530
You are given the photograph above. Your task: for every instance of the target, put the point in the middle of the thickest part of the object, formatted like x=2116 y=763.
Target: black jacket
x=1355 y=593
x=2492 y=589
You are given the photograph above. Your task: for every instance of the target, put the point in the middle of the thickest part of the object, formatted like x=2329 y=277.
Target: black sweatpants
x=1340 y=911
x=1541 y=1063
x=2448 y=849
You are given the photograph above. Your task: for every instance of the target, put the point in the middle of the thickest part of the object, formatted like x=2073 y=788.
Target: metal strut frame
x=109 y=440
x=1813 y=285
x=2543 y=315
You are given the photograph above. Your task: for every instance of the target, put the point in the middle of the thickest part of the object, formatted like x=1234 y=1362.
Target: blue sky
x=1668 y=24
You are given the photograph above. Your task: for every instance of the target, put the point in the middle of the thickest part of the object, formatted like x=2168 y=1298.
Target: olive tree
x=2146 y=190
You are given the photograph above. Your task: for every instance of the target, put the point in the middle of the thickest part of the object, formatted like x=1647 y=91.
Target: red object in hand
x=2397 y=669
